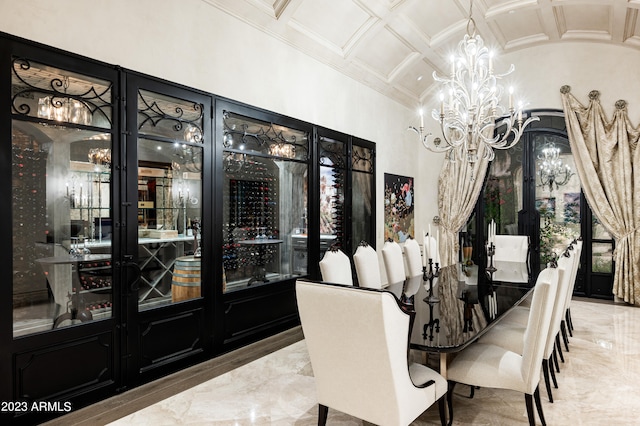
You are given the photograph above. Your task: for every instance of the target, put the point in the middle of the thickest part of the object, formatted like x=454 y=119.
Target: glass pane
x=361 y=207
x=169 y=212
x=331 y=207
x=362 y=159
x=254 y=136
x=602 y=258
x=61 y=209
x=599 y=231
x=557 y=194
x=169 y=117
x=503 y=190
x=60 y=96
x=333 y=155
x=264 y=225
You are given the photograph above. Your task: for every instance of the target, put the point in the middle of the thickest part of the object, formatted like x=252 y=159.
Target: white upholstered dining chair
x=509 y=333
x=491 y=366
x=393 y=262
x=413 y=258
x=335 y=267
x=511 y=248
x=567 y=324
x=357 y=340
x=367 y=266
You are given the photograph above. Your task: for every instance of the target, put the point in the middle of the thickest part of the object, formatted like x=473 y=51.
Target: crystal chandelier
x=553 y=171
x=470 y=107
x=64 y=108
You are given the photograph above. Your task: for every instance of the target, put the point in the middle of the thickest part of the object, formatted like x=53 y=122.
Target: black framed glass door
x=533 y=189
x=168 y=187
x=64 y=273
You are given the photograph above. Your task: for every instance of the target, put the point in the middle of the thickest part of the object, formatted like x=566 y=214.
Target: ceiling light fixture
x=470 y=109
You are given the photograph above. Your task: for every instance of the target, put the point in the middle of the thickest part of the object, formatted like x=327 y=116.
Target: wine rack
x=30 y=217
x=251 y=213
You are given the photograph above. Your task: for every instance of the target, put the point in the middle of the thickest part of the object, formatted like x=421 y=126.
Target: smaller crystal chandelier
x=552 y=169
x=469 y=105
x=100 y=156
x=64 y=108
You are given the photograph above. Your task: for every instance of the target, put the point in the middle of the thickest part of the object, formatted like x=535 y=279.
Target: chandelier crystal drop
x=470 y=106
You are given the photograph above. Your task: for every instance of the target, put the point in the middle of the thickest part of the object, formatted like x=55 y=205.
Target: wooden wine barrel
x=186 y=279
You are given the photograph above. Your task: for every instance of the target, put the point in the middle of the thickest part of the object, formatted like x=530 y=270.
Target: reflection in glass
x=61 y=192
x=503 y=191
x=259 y=137
x=169 y=199
x=60 y=96
x=599 y=231
x=602 y=257
x=61 y=227
x=264 y=226
x=559 y=207
x=361 y=206
x=332 y=184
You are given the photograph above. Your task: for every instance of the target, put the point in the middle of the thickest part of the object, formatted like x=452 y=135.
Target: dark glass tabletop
x=463 y=304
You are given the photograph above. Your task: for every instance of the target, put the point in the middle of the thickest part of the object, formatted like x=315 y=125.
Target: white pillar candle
x=425 y=249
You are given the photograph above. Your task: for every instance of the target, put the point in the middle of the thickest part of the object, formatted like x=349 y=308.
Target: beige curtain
x=459 y=185
x=607 y=161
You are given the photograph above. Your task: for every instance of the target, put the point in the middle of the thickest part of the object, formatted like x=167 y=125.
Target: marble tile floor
x=599 y=384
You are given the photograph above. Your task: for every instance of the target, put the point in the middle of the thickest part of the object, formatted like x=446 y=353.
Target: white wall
x=611 y=69
x=194 y=44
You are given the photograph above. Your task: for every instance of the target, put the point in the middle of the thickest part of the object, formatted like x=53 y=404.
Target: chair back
x=393 y=262
x=513 y=272
x=577 y=252
x=514 y=248
x=535 y=335
x=335 y=267
x=413 y=257
x=565 y=264
x=367 y=266
x=357 y=340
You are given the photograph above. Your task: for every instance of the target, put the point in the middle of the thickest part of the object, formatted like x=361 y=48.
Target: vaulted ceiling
x=394 y=46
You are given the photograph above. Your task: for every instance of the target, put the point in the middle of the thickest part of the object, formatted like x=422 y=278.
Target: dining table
x=455 y=308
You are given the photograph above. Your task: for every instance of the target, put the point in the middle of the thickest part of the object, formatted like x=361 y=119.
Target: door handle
x=130 y=264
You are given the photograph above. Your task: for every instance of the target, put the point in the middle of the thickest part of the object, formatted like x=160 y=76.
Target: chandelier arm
x=447 y=132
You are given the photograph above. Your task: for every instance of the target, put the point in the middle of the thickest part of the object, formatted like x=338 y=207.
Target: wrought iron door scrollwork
x=58 y=97
x=266 y=136
x=189 y=122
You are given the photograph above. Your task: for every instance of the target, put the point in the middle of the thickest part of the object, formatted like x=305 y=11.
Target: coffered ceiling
x=394 y=46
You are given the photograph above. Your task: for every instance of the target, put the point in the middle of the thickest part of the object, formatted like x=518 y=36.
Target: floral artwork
x=398 y=207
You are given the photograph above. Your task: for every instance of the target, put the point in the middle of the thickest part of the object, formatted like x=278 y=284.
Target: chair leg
x=553 y=375
x=559 y=348
x=536 y=396
x=529 y=402
x=567 y=316
x=545 y=370
x=323 y=410
x=452 y=385
x=473 y=391
x=441 y=409
x=565 y=338
x=555 y=359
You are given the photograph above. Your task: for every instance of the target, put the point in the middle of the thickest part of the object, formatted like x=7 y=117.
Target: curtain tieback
x=628 y=234
x=623 y=237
